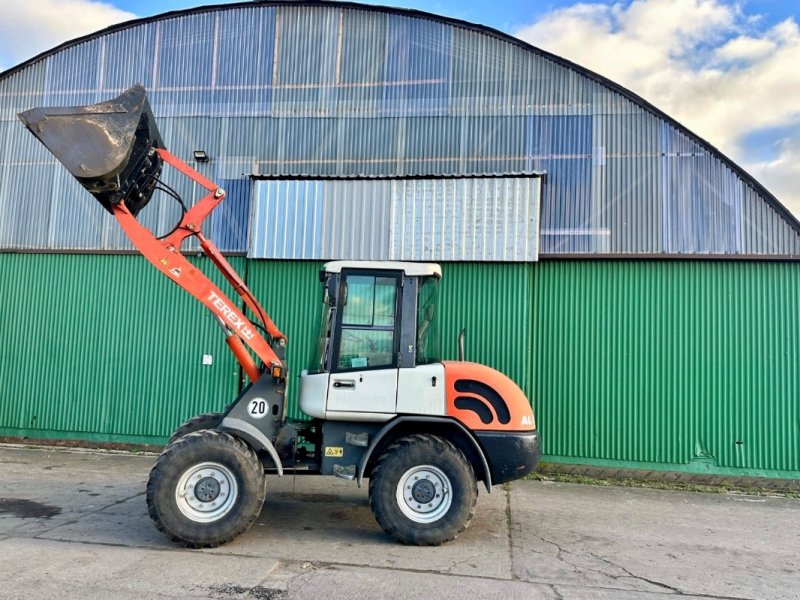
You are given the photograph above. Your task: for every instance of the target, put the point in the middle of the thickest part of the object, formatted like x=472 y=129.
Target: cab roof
x=412 y=269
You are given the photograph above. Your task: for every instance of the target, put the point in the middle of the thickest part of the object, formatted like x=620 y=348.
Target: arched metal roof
x=764 y=195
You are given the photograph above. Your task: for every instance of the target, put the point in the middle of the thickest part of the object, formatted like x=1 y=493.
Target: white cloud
x=746 y=49
x=783 y=174
x=29 y=27
x=702 y=62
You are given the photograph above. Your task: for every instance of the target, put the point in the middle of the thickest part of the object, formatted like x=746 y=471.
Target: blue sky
x=727 y=69
x=500 y=14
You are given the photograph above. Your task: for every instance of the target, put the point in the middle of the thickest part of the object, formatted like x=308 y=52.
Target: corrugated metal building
x=638 y=285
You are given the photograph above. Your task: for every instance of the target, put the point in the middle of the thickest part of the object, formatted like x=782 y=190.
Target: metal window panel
x=185 y=57
x=305 y=66
x=66 y=85
x=480 y=219
x=475 y=219
x=417 y=68
x=320 y=219
x=254 y=29
x=356 y=220
x=22 y=90
x=287 y=219
x=229 y=222
x=360 y=65
x=119 y=69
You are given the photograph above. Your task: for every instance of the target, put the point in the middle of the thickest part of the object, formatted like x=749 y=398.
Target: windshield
x=428 y=343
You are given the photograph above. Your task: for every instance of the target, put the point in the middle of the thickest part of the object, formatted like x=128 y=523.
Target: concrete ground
x=73 y=524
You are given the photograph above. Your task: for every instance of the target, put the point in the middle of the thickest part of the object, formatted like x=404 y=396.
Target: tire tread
x=378 y=504
x=209 y=420
x=201 y=439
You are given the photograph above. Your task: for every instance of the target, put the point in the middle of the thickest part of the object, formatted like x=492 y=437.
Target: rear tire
x=423 y=491
x=205 y=489
x=204 y=421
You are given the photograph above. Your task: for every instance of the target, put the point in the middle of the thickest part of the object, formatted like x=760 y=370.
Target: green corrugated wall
x=104 y=348
x=688 y=365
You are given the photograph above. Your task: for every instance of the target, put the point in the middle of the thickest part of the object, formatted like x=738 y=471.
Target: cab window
x=428 y=341
x=368 y=322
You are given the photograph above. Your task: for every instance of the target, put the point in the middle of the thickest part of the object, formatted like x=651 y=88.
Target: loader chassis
x=384 y=406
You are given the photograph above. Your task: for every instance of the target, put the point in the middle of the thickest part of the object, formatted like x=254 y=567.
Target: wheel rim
x=206 y=492
x=424 y=494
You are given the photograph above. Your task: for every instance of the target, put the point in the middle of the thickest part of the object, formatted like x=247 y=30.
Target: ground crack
x=468 y=560
x=559 y=553
x=628 y=573
x=509 y=527
x=77 y=519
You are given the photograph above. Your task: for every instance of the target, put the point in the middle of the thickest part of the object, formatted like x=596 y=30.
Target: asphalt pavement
x=73 y=524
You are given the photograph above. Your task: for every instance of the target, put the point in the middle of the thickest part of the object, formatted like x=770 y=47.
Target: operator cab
x=378 y=336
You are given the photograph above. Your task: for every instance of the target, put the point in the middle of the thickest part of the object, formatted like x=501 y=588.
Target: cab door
x=364 y=372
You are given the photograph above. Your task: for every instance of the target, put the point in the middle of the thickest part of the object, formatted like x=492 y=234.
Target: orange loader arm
x=115 y=152
x=164 y=255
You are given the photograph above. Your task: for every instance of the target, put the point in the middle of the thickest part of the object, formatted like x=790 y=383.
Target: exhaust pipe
x=108 y=147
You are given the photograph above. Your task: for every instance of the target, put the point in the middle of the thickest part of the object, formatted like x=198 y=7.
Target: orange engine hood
x=484 y=399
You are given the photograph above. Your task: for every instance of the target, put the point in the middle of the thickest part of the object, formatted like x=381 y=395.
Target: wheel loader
x=382 y=405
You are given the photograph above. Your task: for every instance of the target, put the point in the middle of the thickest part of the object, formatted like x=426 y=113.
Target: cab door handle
x=344 y=383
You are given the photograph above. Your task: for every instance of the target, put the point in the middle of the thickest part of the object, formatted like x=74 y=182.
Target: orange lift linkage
x=164 y=254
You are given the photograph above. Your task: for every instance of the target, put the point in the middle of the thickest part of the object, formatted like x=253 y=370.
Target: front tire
x=423 y=491
x=205 y=489
x=205 y=421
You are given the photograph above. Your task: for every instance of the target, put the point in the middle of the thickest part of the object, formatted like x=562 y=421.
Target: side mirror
x=330 y=290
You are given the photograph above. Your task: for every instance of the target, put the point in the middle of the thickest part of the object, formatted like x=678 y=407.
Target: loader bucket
x=108 y=147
